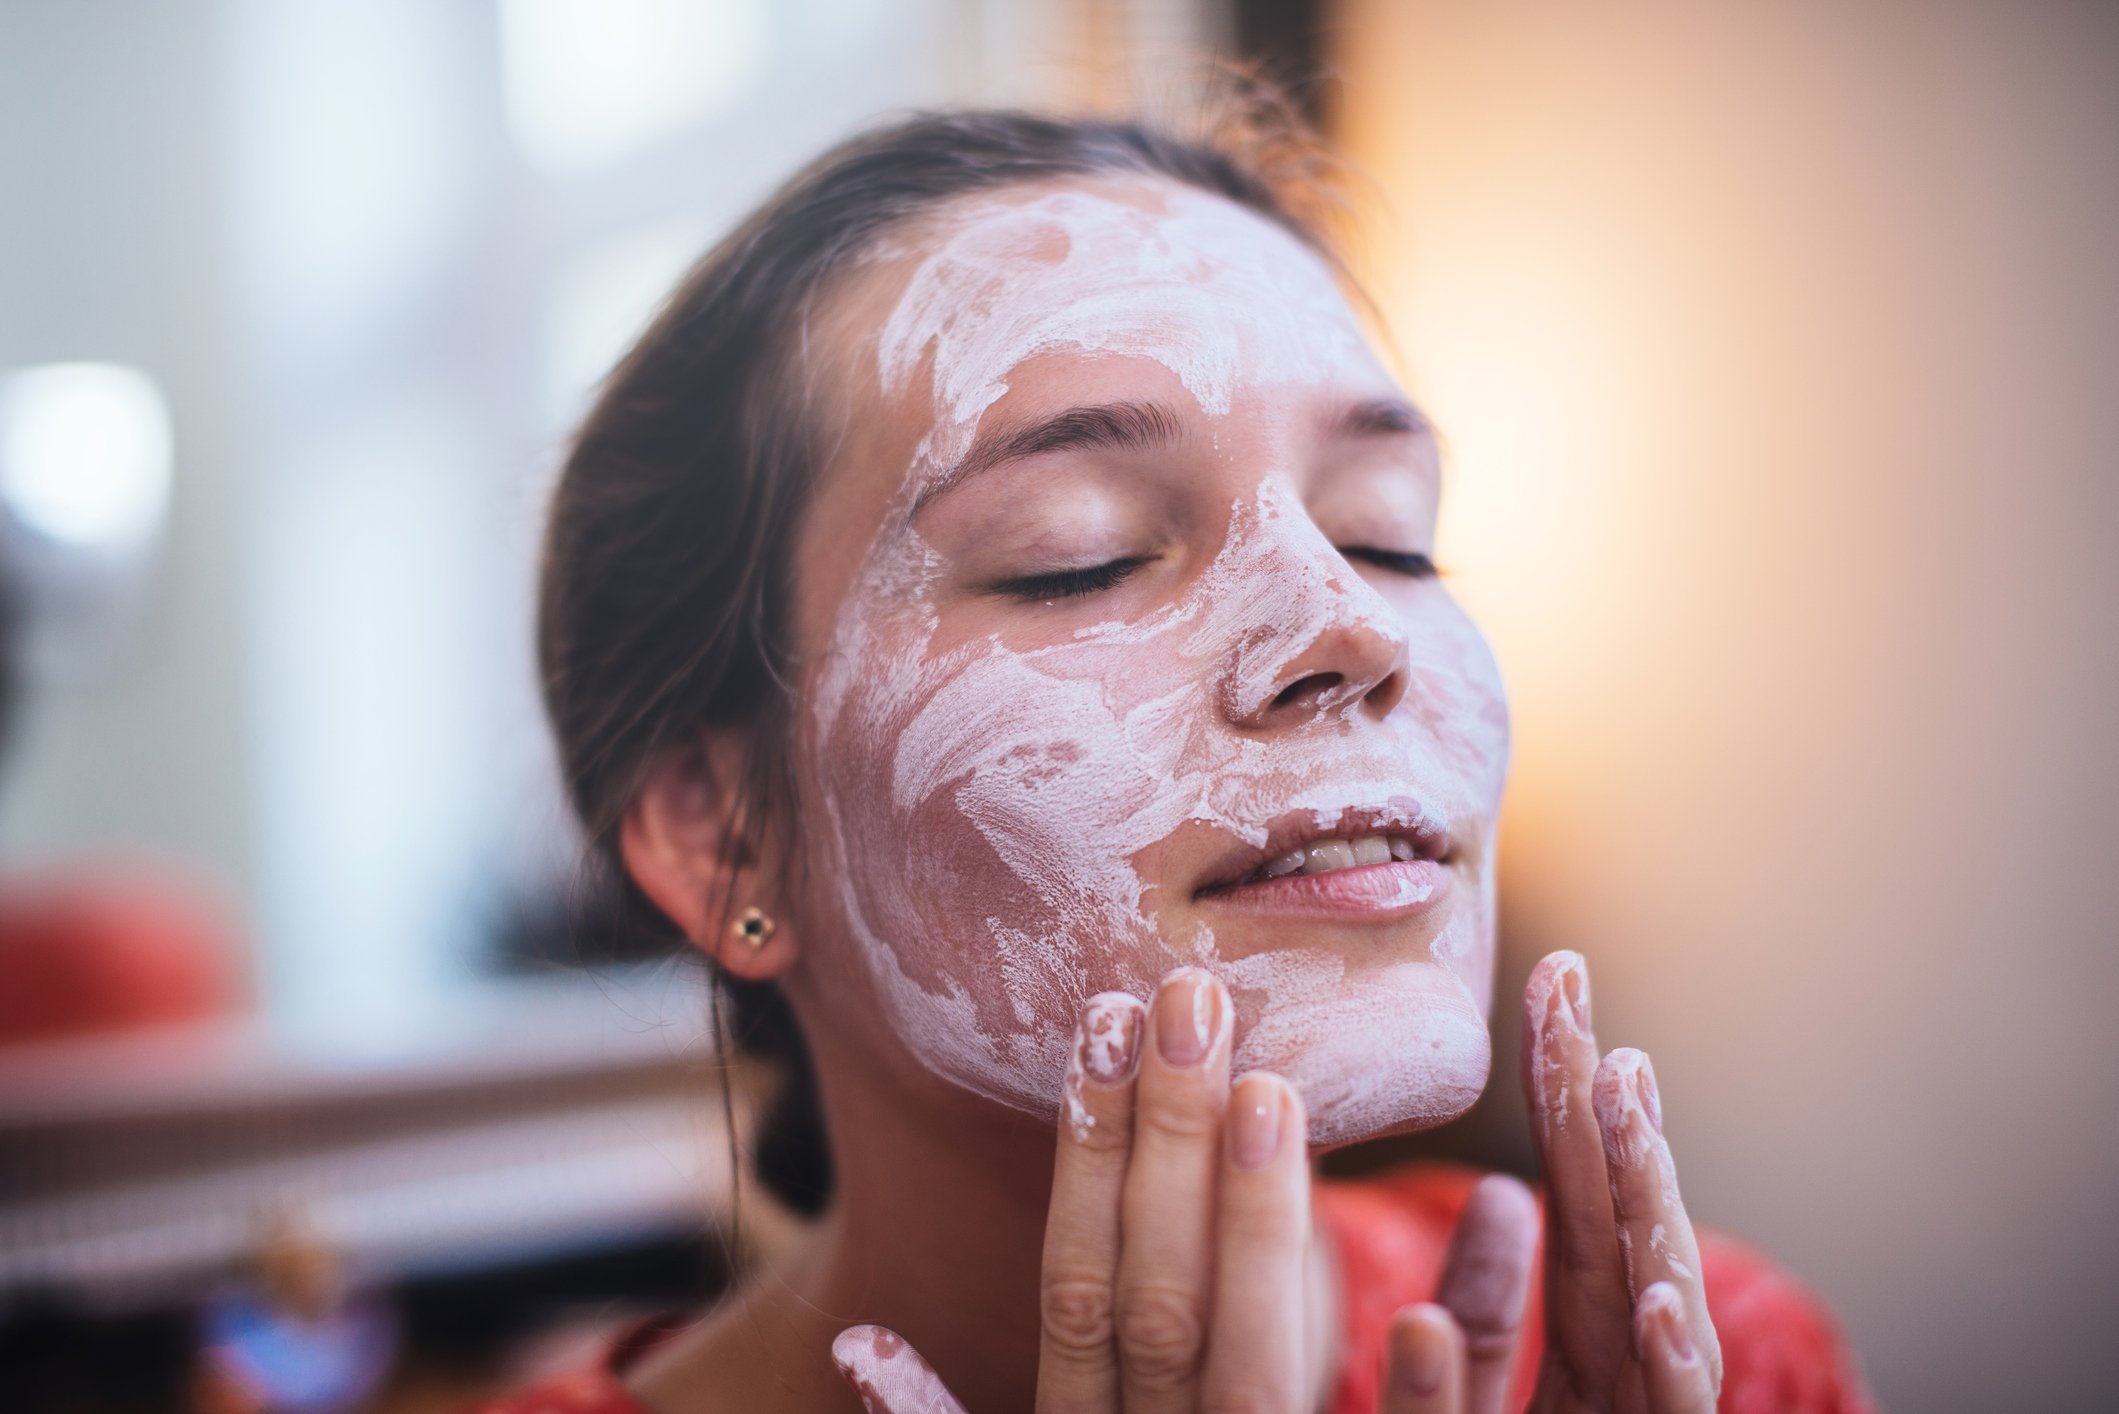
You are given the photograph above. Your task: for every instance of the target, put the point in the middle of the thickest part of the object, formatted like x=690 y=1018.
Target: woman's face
x=1119 y=651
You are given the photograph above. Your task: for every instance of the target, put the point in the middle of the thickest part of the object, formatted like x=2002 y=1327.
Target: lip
x=1394 y=889
x=1377 y=892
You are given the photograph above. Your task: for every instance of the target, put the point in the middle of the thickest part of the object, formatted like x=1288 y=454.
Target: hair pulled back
x=662 y=599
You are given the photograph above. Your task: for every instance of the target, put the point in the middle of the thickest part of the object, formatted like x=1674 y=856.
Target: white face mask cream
x=987 y=809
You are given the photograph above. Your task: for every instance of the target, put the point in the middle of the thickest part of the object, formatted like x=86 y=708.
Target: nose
x=1353 y=661
x=1342 y=644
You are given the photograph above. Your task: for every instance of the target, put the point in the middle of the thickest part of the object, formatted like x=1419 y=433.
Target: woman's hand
x=1176 y=1244
x=1179 y=1229
x=1626 y=1324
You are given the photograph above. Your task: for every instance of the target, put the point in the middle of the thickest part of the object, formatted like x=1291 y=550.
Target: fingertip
x=1557 y=993
x=1107 y=1037
x=858 y=1347
x=1425 y=1349
x=1616 y=1086
x=1191 y=1018
x=888 y=1374
x=1264 y=1121
x=1661 y=1332
x=1507 y=1197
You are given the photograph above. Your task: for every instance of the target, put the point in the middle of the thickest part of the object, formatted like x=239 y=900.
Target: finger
x=1676 y=1379
x=1486 y=1280
x=1255 y=1351
x=1423 y=1369
x=1077 y=1358
x=1587 y=1303
x=1167 y=1211
x=889 y=1375
x=1655 y=1235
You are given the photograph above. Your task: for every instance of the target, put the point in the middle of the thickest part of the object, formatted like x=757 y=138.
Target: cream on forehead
x=1214 y=292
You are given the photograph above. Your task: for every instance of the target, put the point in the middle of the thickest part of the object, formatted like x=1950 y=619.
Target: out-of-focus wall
x=1775 y=348
x=110 y=251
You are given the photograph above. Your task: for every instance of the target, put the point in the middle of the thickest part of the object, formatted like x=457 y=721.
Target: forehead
x=926 y=334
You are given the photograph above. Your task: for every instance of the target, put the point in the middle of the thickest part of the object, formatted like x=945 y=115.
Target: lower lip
x=1398 y=889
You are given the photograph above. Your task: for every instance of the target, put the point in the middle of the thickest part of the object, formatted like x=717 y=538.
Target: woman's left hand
x=1626 y=1323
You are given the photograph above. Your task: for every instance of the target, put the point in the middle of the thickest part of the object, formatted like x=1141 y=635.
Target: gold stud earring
x=752 y=927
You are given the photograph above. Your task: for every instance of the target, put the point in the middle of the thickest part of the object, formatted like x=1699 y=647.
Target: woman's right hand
x=1177 y=1243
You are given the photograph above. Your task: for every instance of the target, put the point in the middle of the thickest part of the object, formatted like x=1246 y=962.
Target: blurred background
x=1773 y=348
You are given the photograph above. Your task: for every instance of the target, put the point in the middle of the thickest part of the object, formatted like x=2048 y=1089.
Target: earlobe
x=673 y=840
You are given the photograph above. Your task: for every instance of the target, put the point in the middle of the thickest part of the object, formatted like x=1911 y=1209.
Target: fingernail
x=1650 y=1098
x=1187 y=1016
x=1254 y=1122
x=1108 y=1037
x=1574 y=986
x=1660 y=1303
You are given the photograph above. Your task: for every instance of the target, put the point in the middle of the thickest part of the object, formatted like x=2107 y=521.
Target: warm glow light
x=85 y=454
x=588 y=83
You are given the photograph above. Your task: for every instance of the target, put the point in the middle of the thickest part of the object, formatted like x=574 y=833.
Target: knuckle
x=1107 y=1135
x=1160 y=1335
x=1076 y=1316
x=1185 y=1118
x=1491 y=1342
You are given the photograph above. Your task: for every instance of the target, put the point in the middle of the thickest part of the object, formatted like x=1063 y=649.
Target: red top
x=1781 y=1351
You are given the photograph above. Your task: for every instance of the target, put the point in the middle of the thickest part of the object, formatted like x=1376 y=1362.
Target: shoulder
x=1781 y=1348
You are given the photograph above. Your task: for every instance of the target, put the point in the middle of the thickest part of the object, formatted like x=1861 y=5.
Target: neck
x=936 y=1231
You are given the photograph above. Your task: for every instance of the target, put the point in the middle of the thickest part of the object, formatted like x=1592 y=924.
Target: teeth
x=1286 y=864
x=1325 y=856
x=1372 y=849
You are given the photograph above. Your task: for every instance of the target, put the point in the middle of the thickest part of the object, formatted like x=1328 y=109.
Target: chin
x=1375 y=1050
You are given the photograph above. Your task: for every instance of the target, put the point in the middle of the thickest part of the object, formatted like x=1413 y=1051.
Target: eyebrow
x=1119 y=426
x=1128 y=426
x=1374 y=417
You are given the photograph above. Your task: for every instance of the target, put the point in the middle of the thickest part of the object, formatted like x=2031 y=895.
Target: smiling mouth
x=1327 y=856
x=1304 y=846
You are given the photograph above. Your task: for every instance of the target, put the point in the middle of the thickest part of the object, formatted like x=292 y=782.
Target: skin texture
x=1071 y=1084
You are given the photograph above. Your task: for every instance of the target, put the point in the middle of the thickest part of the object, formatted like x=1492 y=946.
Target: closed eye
x=1406 y=562
x=1071 y=584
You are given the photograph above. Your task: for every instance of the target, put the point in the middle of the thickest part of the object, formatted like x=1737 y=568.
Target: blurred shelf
x=540 y=1117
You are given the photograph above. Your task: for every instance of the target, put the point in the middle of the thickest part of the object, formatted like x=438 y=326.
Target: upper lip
x=1404 y=818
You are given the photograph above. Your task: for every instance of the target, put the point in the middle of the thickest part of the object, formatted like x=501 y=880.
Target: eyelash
x=1071 y=584
x=1074 y=584
x=1410 y=563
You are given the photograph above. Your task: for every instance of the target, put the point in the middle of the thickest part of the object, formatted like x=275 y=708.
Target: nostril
x=1385 y=694
x=1313 y=686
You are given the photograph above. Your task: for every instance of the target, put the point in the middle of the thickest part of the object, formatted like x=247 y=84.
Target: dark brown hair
x=662 y=603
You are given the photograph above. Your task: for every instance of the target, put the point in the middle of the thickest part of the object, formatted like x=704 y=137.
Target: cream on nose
x=1314 y=636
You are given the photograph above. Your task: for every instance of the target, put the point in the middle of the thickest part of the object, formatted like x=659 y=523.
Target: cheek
x=1457 y=699
x=979 y=814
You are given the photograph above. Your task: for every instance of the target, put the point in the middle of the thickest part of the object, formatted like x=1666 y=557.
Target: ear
x=672 y=839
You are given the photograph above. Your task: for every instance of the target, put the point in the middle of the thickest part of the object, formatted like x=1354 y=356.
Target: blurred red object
x=89 y=951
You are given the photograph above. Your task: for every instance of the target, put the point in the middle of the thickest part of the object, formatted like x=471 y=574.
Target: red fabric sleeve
x=1781 y=1351
x=594 y=1390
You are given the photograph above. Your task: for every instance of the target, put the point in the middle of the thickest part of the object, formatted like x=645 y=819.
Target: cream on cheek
x=984 y=806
